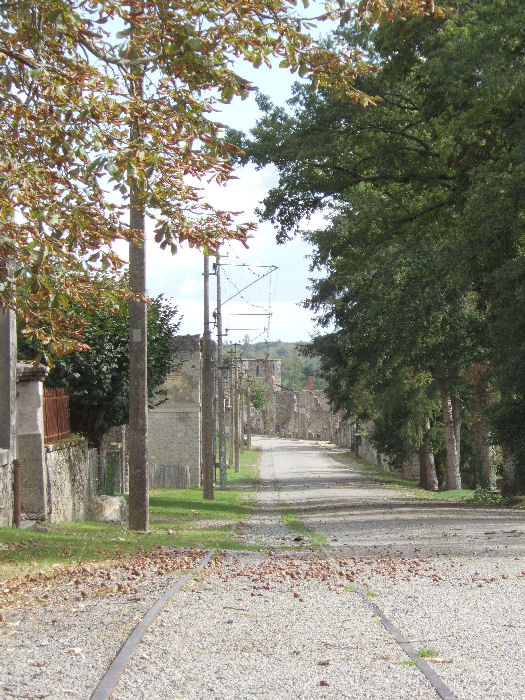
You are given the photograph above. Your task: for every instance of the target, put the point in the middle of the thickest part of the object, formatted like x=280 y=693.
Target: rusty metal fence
x=56 y=414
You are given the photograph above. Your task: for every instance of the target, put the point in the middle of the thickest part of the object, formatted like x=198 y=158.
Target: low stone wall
x=71 y=471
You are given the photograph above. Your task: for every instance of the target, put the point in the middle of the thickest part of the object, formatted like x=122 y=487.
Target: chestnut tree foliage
x=100 y=96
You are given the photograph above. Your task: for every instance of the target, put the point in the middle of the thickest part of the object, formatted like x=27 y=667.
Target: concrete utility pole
x=235 y=369
x=208 y=438
x=138 y=367
x=231 y=387
x=7 y=371
x=138 y=390
x=7 y=400
x=241 y=411
x=248 y=418
x=220 y=382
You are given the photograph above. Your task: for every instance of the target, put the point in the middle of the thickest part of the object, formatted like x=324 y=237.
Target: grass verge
x=292 y=520
x=395 y=481
x=178 y=518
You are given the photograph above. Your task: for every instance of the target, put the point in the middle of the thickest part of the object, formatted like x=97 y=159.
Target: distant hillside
x=294 y=367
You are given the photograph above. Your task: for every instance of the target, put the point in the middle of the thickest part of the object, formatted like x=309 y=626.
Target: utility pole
x=232 y=390
x=138 y=390
x=235 y=409
x=8 y=413
x=208 y=446
x=248 y=417
x=241 y=411
x=220 y=381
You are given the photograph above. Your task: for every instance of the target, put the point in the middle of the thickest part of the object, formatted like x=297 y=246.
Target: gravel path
x=288 y=623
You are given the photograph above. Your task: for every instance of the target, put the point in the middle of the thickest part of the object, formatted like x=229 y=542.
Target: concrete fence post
x=102 y=472
x=30 y=439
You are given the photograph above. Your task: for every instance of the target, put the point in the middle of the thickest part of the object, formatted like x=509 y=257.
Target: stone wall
x=71 y=475
x=305 y=415
x=268 y=372
x=174 y=432
x=286 y=414
x=344 y=437
x=60 y=479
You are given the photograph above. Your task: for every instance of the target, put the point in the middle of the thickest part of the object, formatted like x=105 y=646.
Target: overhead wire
x=239 y=292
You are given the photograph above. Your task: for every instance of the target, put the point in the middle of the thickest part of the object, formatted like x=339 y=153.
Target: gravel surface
x=288 y=623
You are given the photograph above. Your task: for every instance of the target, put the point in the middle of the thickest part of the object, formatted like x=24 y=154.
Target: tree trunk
x=456 y=417
x=482 y=444
x=453 y=479
x=427 y=467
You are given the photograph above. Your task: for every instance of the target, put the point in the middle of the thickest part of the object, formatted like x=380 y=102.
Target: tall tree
x=413 y=181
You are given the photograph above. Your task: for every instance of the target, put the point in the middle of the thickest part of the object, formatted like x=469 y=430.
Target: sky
x=270 y=309
x=265 y=303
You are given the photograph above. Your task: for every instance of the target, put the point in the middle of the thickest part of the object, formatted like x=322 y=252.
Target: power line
x=259 y=278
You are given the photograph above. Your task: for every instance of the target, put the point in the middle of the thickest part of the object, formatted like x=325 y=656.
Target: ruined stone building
x=174 y=433
x=174 y=427
x=302 y=414
x=268 y=372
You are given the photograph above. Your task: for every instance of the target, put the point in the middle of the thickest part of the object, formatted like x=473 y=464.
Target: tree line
x=423 y=258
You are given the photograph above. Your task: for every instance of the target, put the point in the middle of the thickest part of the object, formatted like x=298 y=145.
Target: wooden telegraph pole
x=208 y=446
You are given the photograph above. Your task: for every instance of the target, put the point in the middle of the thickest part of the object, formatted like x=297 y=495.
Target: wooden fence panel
x=56 y=414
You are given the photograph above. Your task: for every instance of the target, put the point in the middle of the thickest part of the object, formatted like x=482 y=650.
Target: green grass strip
x=292 y=520
x=394 y=481
x=178 y=518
